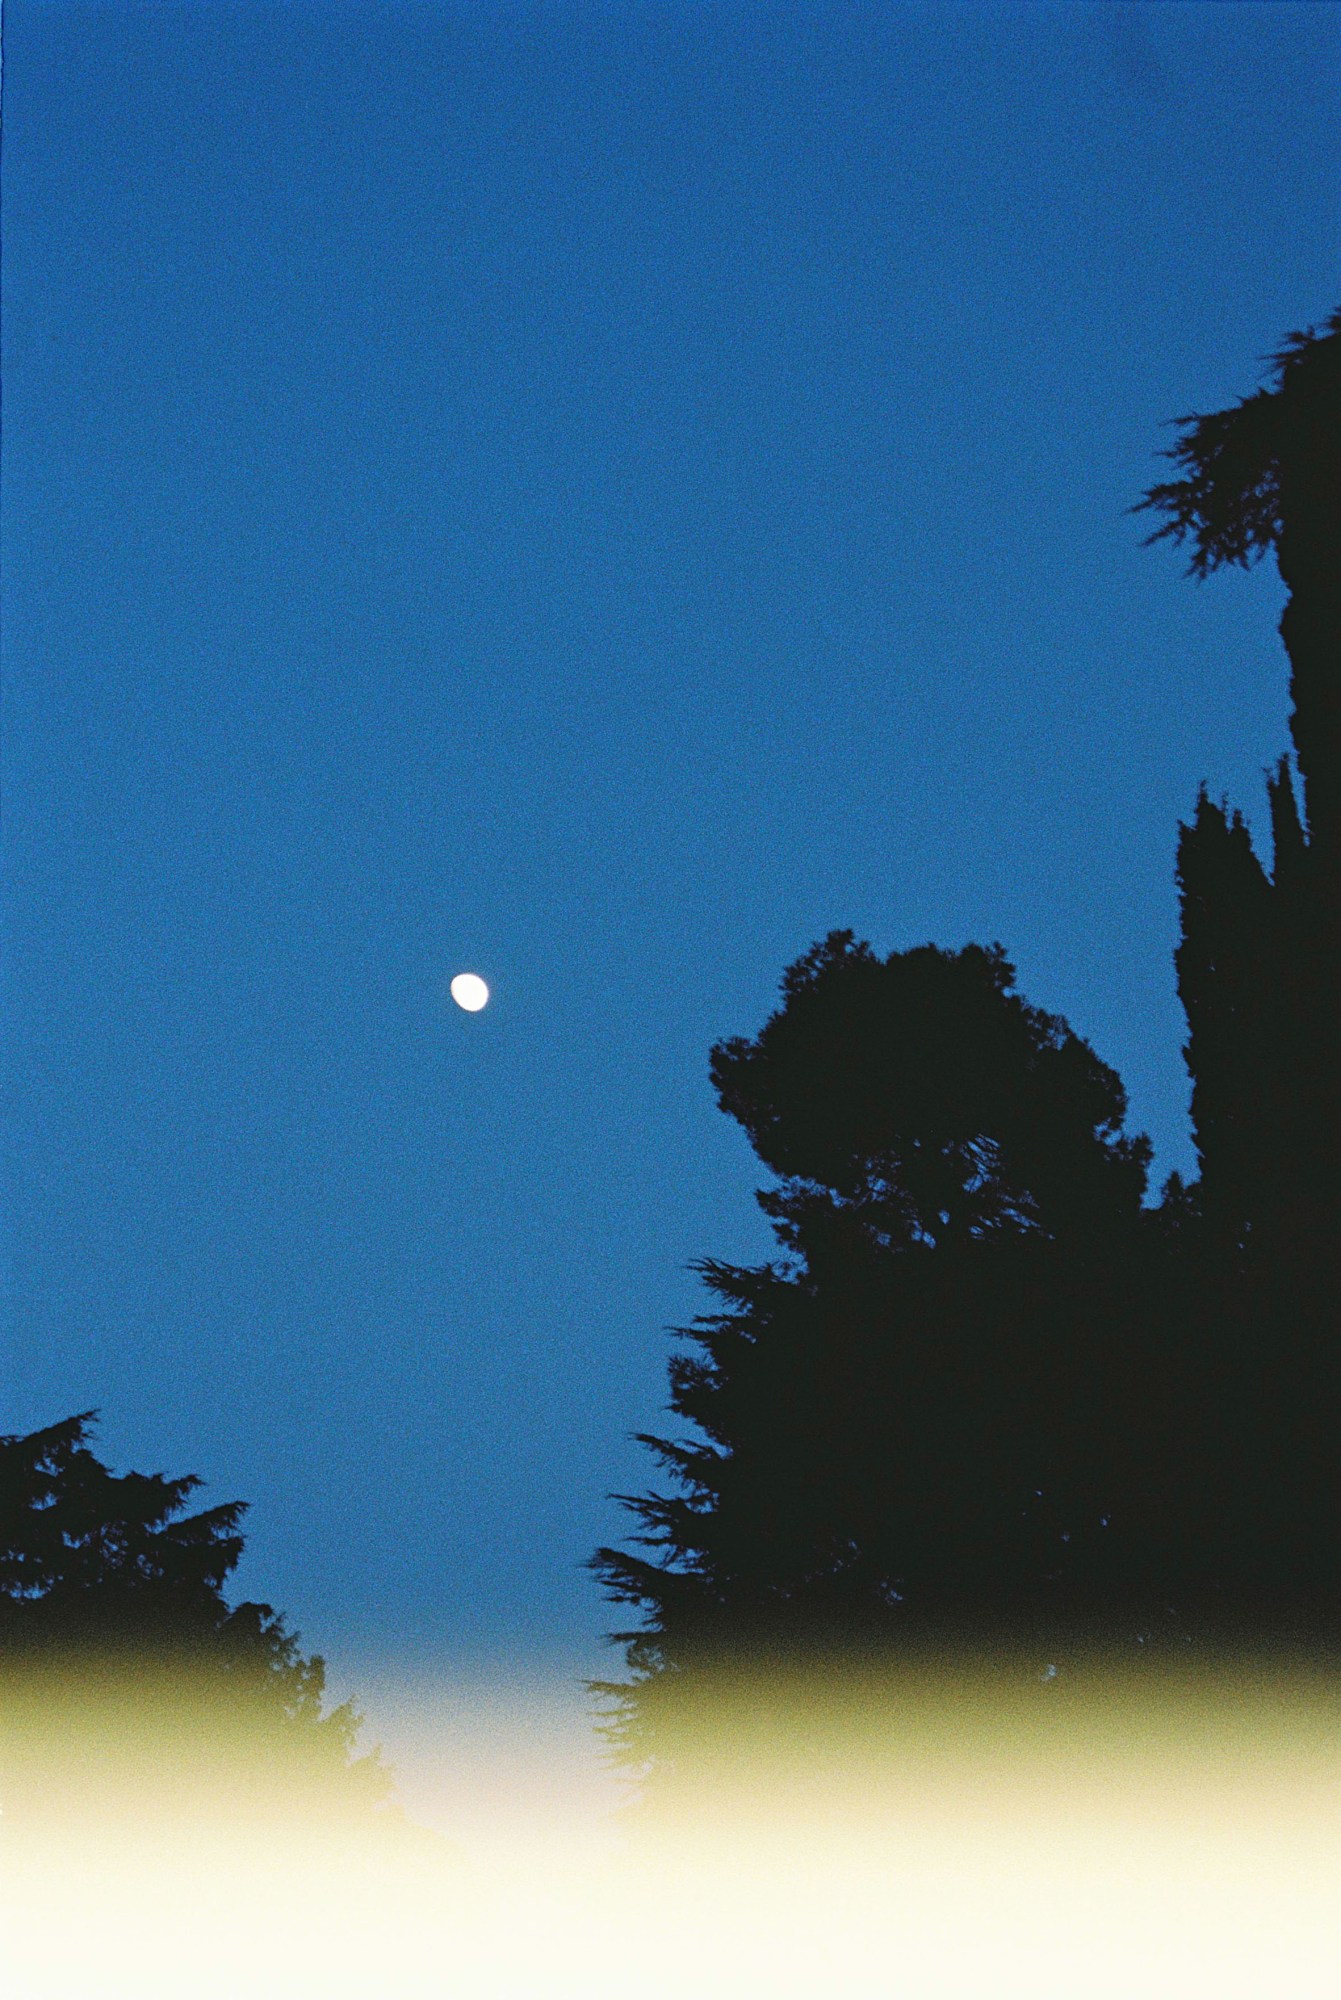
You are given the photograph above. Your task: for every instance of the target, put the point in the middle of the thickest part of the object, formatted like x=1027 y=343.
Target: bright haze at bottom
x=972 y=1831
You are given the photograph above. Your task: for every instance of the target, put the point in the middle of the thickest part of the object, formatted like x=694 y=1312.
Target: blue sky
x=597 y=495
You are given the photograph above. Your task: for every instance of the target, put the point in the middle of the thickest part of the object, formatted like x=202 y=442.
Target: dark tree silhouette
x=984 y=1393
x=1260 y=962
x=920 y=1099
x=113 y=1573
x=918 y=1423
x=1266 y=475
x=1259 y=969
x=83 y=1551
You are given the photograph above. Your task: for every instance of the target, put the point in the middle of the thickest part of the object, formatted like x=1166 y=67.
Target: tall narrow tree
x=1260 y=977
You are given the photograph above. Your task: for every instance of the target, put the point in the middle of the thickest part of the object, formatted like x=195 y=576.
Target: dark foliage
x=83 y=1550
x=1266 y=475
x=1244 y=470
x=1259 y=972
x=900 y=1435
x=920 y=1100
x=108 y=1572
x=985 y=1395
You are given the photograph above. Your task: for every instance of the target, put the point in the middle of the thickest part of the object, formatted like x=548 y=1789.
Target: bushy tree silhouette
x=917 y=1424
x=921 y=1100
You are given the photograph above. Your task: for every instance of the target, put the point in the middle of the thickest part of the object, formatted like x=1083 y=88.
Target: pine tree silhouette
x=110 y=1582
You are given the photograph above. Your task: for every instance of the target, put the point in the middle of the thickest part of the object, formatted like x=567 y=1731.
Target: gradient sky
x=597 y=495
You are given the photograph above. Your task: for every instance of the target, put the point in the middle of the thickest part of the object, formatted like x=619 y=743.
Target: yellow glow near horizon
x=917 y=1837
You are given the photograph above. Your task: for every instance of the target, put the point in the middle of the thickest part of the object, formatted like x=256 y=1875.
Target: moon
x=469 y=991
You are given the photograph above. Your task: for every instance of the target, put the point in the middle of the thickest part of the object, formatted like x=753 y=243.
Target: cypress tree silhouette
x=1263 y=475
x=1225 y=958
x=1259 y=969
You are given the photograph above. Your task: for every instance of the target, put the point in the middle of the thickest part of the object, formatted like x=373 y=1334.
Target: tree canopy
x=922 y=1097
x=986 y=1390
x=897 y=1430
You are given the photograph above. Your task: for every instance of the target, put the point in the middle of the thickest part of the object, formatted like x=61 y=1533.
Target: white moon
x=469 y=991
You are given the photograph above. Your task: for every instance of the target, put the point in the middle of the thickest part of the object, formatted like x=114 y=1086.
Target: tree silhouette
x=1259 y=968
x=984 y=1393
x=112 y=1575
x=918 y=1423
x=1266 y=475
x=85 y=1551
x=1260 y=961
